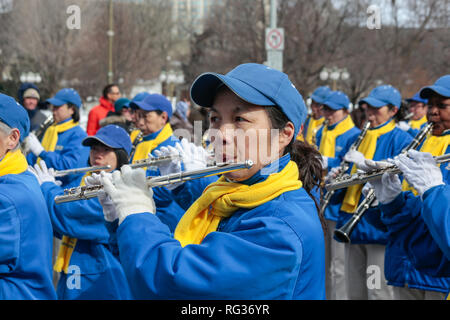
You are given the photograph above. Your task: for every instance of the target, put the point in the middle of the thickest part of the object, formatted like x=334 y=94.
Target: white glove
x=109 y=210
x=32 y=143
x=420 y=170
x=389 y=186
x=365 y=190
x=194 y=157
x=403 y=125
x=173 y=166
x=331 y=175
x=129 y=192
x=356 y=157
x=43 y=174
x=324 y=162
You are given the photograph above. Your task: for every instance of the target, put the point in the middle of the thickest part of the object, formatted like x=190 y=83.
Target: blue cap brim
x=317 y=99
x=333 y=105
x=142 y=105
x=204 y=89
x=373 y=102
x=88 y=141
x=430 y=90
x=56 y=102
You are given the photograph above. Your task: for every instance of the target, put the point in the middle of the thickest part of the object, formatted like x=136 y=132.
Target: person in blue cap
x=61 y=146
x=87 y=259
x=152 y=116
x=417 y=217
x=333 y=142
x=315 y=119
x=121 y=115
x=418 y=107
x=254 y=233
x=26 y=231
x=365 y=256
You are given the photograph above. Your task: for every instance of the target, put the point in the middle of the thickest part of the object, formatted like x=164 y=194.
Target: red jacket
x=96 y=114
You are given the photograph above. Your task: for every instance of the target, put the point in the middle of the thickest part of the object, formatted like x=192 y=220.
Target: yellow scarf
x=312 y=128
x=222 y=198
x=437 y=146
x=51 y=135
x=14 y=162
x=367 y=148
x=416 y=124
x=134 y=134
x=145 y=147
x=67 y=246
x=328 y=141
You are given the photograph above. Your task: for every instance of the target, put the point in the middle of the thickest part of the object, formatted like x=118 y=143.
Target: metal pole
x=273 y=13
x=110 y=35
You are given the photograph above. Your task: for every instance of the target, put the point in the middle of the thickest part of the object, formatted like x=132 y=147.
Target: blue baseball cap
x=140 y=96
x=153 y=102
x=337 y=100
x=14 y=115
x=66 y=95
x=111 y=136
x=441 y=87
x=320 y=94
x=382 y=96
x=121 y=103
x=417 y=98
x=257 y=84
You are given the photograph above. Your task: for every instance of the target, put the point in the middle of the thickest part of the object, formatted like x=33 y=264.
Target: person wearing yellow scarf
x=334 y=140
x=418 y=106
x=316 y=119
x=61 y=146
x=252 y=233
x=368 y=239
x=85 y=263
x=26 y=236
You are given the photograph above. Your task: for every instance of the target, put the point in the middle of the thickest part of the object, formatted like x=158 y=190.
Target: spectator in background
x=180 y=119
x=110 y=94
x=121 y=115
x=29 y=96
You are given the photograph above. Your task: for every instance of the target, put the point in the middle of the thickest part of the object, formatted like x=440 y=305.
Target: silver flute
x=149 y=162
x=62 y=173
x=360 y=178
x=88 y=192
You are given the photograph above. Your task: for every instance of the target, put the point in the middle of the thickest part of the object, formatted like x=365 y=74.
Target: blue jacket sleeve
x=241 y=264
x=436 y=214
x=77 y=219
x=9 y=235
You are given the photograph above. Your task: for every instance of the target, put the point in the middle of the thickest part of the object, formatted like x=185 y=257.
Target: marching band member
x=405 y=213
x=333 y=142
x=61 y=146
x=369 y=238
x=418 y=106
x=85 y=250
x=316 y=119
x=26 y=231
x=152 y=115
x=253 y=234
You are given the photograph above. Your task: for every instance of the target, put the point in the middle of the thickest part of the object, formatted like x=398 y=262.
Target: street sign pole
x=274 y=40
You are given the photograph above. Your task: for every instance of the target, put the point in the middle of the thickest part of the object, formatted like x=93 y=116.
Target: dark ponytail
x=307 y=158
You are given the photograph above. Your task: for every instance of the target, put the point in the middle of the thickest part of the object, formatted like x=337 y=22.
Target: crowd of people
x=259 y=232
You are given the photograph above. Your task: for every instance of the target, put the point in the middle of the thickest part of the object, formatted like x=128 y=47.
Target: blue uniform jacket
x=370 y=229
x=408 y=233
x=167 y=209
x=343 y=144
x=25 y=240
x=274 y=251
x=100 y=274
x=69 y=152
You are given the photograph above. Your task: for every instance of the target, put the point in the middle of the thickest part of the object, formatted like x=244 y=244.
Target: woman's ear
x=286 y=135
x=13 y=139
